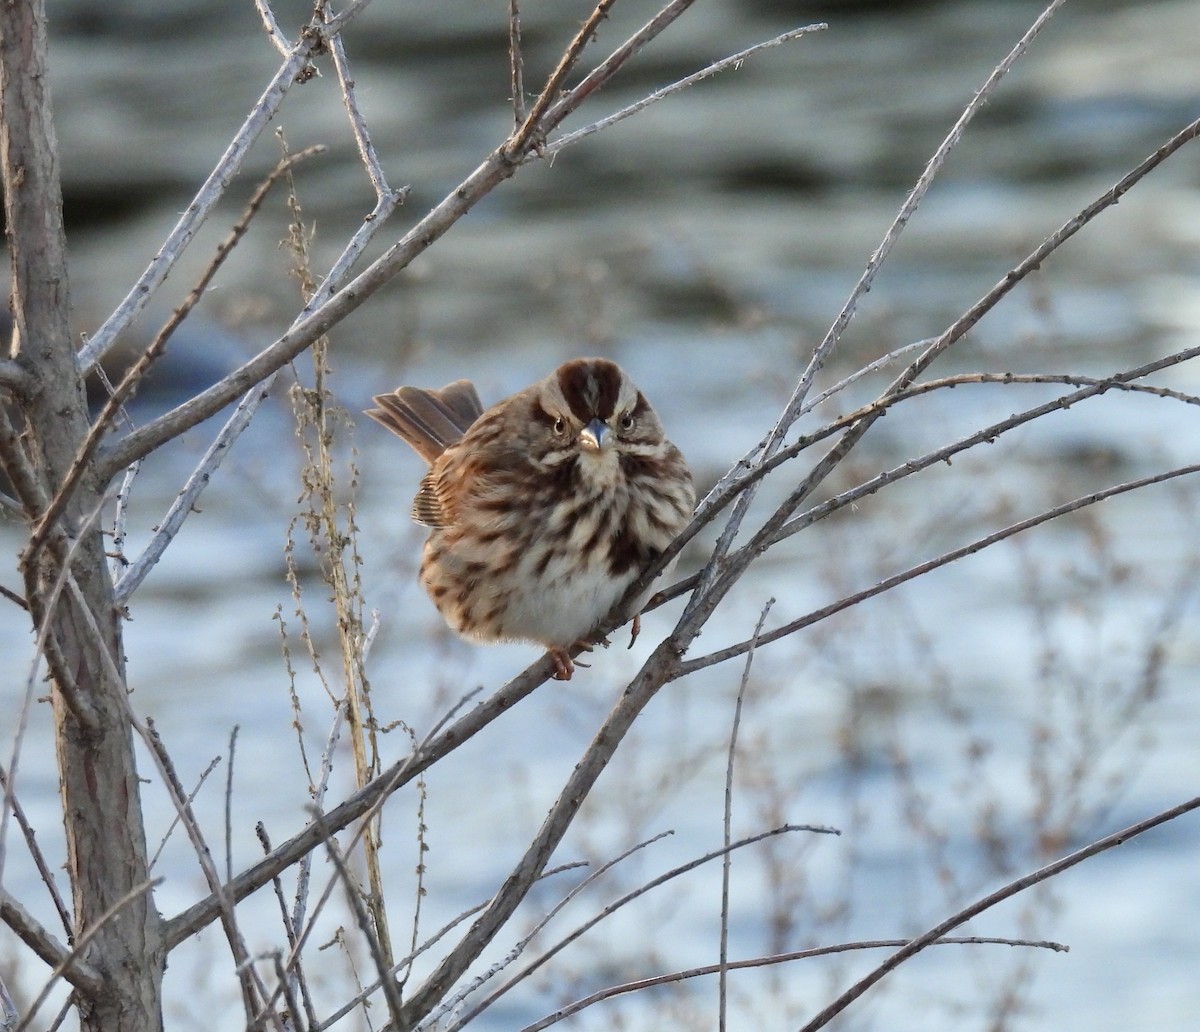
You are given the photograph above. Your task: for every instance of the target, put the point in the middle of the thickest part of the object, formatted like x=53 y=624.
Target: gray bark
x=42 y=431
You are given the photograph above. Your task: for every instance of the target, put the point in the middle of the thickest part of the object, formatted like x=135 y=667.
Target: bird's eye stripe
x=543 y=415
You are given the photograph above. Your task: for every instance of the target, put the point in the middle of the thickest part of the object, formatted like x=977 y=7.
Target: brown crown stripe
x=591 y=387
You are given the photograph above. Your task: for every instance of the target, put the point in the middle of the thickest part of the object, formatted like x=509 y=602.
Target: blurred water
x=706 y=245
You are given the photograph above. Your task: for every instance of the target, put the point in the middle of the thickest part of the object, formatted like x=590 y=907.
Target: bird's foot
x=564 y=665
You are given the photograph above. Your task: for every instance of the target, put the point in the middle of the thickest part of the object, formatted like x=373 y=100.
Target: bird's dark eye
x=560 y=426
x=627 y=421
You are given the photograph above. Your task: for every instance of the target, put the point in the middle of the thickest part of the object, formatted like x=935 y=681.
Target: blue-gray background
x=706 y=245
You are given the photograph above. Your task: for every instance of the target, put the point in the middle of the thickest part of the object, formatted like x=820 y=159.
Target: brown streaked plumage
x=543 y=509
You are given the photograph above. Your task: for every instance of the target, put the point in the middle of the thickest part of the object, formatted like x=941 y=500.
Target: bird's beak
x=595 y=436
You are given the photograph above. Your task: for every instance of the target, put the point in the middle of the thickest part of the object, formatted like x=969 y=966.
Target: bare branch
x=391 y=992
x=313 y=324
x=311 y=40
x=13 y=805
x=516 y=65
x=822 y=351
x=658 y=670
x=733 y=61
x=440 y=934
x=616 y=905
x=182 y=507
x=176 y=819
x=780 y=958
x=533 y=130
x=229 y=804
x=607 y=68
x=157 y=347
x=194 y=216
x=8 y=1010
x=252 y=988
x=454 y=1002
x=278 y=40
x=736 y=480
x=73 y=967
x=71 y=962
x=200 y=914
x=907 y=209
x=289 y=998
x=358 y=125
x=979 y=906
x=727 y=859
x=705 y=599
x=691 y=665
x=14 y=377
x=292 y=978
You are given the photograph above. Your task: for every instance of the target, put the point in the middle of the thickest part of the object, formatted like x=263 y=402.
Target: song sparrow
x=544 y=508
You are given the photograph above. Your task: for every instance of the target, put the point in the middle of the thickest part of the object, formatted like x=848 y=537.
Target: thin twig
x=732 y=61
x=606 y=69
x=13 y=805
x=516 y=65
x=294 y=976
x=175 y=820
x=133 y=376
x=779 y=958
x=182 y=507
x=391 y=993
x=363 y=801
x=659 y=669
x=706 y=600
x=979 y=906
x=264 y=111
x=907 y=209
x=121 y=518
x=727 y=859
x=699 y=663
x=295 y=1021
x=300 y=901
x=13 y=597
x=184 y=504
x=274 y=32
x=229 y=805
x=1091 y=387
x=8 y=1010
x=433 y=940
x=618 y=904
x=358 y=125
x=791 y=411
x=532 y=129
x=450 y=1004
x=251 y=984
